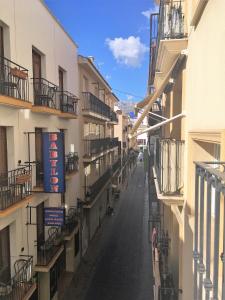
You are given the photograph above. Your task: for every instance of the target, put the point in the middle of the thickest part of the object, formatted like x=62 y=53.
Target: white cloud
x=107 y=77
x=147 y=13
x=130 y=97
x=128 y=51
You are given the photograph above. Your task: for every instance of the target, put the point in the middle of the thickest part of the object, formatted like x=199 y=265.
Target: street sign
x=54 y=216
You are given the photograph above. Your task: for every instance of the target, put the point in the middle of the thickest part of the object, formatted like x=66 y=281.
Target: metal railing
x=44 y=93
x=68 y=102
x=93 y=104
x=113 y=116
x=116 y=165
x=209 y=232
x=171 y=20
x=71 y=221
x=92 y=191
x=71 y=162
x=153 y=48
x=92 y=147
x=15 y=186
x=20 y=284
x=47 y=249
x=169 y=160
x=114 y=142
x=13 y=80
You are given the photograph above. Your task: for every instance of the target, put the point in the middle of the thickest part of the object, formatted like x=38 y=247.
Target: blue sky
x=116 y=33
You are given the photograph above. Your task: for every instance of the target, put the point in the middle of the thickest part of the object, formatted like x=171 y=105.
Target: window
x=3 y=152
x=39 y=156
x=4 y=255
x=40 y=224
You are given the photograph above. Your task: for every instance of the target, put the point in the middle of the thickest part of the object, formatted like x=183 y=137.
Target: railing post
x=216 y=241
x=195 y=253
x=207 y=281
x=201 y=267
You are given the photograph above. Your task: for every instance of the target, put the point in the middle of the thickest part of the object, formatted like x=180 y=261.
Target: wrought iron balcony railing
x=15 y=186
x=116 y=165
x=71 y=221
x=153 y=48
x=92 y=191
x=13 y=80
x=93 y=104
x=113 y=117
x=93 y=147
x=169 y=157
x=209 y=232
x=114 y=142
x=171 y=20
x=154 y=115
x=21 y=283
x=68 y=102
x=47 y=249
x=71 y=162
x=44 y=93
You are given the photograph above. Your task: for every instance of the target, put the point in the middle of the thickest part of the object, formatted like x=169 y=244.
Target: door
x=4 y=255
x=40 y=224
x=61 y=83
x=39 y=157
x=36 y=58
x=3 y=157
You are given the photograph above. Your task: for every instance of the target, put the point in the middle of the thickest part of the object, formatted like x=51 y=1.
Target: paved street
x=118 y=263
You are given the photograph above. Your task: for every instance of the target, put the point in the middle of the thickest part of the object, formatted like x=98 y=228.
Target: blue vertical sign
x=54 y=159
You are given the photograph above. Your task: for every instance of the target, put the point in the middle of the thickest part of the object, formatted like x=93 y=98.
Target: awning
x=148 y=101
x=152 y=128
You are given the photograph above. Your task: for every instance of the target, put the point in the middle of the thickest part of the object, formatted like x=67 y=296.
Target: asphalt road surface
x=118 y=262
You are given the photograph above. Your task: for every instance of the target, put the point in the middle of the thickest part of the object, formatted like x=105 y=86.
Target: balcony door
x=4 y=255
x=40 y=224
x=61 y=81
x=39 y=157
x=36 y=59
x=3 y=156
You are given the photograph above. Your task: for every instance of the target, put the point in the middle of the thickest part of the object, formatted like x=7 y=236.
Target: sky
x=116 y=34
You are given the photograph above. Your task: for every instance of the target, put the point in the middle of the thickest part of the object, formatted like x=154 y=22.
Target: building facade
x=38 y=96
x=101 y=151
x=187 y=150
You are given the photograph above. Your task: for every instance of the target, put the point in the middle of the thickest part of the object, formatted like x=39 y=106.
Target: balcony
x=71 y=222
x=68 y=105
x=168 y=170
x=93 y=190
x=209 y=233
x=153 y=49
x=15 y=186
x=14 y=87
x=155 y=113
x=116 y=165
x=21 y=285
x=114 y=142
x=172 y=37
x=93 y=148
x=45 y=97
x=94 y=107
x=71 y=163
x=49 y=250
x=113 y=117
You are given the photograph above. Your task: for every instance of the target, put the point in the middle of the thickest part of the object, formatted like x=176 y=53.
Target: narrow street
x=118 y=263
